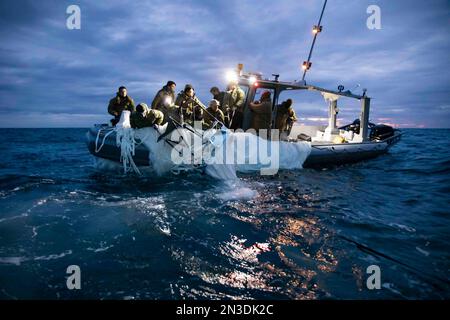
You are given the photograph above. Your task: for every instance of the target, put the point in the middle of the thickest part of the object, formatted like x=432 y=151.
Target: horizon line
x=91 y=126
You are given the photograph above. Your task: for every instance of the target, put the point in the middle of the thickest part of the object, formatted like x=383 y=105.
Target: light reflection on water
x=275 y=264
x=282 y=237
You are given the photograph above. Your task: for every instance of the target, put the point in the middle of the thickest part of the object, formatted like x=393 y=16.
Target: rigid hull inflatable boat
x=330 y=145
x=322 y=154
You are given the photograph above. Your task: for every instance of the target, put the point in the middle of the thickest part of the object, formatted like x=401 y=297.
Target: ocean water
x=306 y=234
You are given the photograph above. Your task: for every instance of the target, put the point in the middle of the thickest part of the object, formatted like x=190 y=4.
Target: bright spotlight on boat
x=252 y=80
x=168 y=101
x=231 y=76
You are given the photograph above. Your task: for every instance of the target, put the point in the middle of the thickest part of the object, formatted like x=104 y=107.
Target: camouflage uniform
x=262 y=114
x=147 y=118
x=236 y=102
x=285 y=116
x=210 y=117
x=161 y=96
x=119 y=104
x=190 y=107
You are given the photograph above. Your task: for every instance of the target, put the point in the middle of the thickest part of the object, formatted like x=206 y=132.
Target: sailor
x=165 y=96
x=285 y=117
x=120 y=103
x=145 y=117
x=191 y=108
x=213 y=114
x=170 y=110
x=236 y=105
x=262 y=112
x=223 y=99
x=217 y=95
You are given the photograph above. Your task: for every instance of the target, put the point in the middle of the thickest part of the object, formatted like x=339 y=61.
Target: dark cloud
x=67 y=76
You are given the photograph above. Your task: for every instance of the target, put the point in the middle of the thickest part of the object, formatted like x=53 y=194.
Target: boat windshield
x=260 y=91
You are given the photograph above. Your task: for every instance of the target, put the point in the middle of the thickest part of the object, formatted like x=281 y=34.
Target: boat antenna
x=316 y=30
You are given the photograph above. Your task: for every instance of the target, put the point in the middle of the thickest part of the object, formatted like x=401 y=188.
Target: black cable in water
x=436 y=281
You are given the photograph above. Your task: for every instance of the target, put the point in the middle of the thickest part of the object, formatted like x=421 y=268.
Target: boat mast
x=316 y=30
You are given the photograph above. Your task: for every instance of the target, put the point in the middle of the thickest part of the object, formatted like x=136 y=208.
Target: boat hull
x=109 y=150
x=322 y=155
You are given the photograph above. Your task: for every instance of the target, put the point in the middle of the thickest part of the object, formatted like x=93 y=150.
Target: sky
x=51 y=76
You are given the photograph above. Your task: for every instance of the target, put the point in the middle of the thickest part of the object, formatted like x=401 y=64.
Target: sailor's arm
x=198 y=102
x=256 y=107
x=221 y=116
x=179 y=100
x=159 y=117
x=132 y=106
x=153 y=117
x=156 y=100
x=240 y=99
x=292 y=115
x=112 y=108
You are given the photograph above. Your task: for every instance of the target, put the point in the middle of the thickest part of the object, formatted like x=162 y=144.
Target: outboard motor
x=355 y=126
x=381 y=132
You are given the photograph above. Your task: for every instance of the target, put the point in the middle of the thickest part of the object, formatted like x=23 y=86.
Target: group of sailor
x=225 y=109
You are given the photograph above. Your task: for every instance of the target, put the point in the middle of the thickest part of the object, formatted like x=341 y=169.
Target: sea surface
x=305 y=234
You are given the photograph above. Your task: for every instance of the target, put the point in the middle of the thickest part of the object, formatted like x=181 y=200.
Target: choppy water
x=309 y=234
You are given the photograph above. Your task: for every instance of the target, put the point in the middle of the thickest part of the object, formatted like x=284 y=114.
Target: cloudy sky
x=55 y=77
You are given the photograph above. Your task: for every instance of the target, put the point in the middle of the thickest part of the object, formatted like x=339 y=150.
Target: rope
x=97 y=149
x=126 y=142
